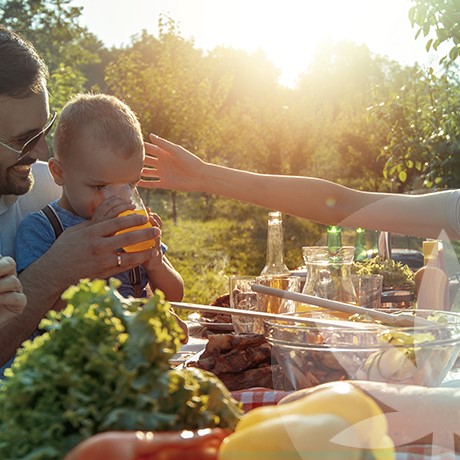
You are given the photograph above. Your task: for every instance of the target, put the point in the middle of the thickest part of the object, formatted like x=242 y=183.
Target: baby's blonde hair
x=110 y=120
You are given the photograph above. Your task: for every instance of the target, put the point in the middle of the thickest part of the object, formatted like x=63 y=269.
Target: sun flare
x=288 y=32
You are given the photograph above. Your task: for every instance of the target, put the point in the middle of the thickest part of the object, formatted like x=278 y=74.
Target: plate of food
x=214 y=326
x=215 y=322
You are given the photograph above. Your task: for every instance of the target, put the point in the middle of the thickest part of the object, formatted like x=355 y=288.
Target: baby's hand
x=157 y=259
x=155 y=219
x=109 y=208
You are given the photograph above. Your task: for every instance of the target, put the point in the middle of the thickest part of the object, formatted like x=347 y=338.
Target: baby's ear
x=56 y=170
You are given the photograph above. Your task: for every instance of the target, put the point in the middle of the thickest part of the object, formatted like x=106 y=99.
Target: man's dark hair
x=22 y=71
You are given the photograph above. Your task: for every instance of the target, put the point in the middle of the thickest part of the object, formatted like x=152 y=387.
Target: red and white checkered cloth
x=256 y=397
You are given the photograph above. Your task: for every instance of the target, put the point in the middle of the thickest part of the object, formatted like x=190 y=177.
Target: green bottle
x=360 y=245
x=334 y=238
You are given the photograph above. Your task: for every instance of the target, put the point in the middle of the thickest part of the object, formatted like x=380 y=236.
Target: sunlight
x=288 y=32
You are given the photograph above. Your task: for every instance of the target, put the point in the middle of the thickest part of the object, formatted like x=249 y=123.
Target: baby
x=98 y=148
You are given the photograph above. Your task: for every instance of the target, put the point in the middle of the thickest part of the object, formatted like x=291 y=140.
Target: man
x=86 y=250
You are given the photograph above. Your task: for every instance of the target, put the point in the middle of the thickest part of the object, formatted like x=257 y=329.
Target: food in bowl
x=421 y=355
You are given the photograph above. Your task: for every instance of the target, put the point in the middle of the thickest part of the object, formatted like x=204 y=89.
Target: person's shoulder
x=33 y=220
x=40 y=167
x=44 y=189
x=42 y=175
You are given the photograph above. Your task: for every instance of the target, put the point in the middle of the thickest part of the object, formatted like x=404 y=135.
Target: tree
x=423 y=131
x=170 y=86
x=441 y=17
x=52 y=26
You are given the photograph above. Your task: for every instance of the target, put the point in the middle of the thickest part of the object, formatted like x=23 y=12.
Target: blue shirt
x=35 y=236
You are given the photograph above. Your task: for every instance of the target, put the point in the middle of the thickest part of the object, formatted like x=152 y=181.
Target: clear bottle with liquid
x=275 y=264
x=275 y=273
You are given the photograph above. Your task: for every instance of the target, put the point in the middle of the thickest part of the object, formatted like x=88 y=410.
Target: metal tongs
x=389 y=319
x=271 y=316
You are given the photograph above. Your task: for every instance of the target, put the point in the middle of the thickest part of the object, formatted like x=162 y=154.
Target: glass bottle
x=360 y=245
x=275 y=273
x=275 y=247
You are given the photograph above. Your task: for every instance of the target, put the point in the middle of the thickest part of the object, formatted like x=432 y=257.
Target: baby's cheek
x=93 y=205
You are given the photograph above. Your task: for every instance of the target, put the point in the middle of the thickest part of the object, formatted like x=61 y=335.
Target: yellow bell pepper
x=333 y=420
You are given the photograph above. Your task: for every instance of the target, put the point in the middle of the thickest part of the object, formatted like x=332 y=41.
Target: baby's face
x=95 y=172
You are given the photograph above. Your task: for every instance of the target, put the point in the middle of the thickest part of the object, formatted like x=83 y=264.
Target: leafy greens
x=103 y=364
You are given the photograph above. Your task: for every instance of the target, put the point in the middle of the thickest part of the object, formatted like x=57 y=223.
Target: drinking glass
x=131 y=194
x=368 y=290
x=244 y=298
x=276 y=305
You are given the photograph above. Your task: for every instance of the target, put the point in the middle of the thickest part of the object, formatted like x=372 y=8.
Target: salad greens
x=103 y=364
x=395 y=274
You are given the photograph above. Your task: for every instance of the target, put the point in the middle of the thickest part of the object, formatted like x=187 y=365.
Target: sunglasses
x=33 y=141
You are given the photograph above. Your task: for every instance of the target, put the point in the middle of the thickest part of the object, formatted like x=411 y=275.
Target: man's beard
x=10 y=184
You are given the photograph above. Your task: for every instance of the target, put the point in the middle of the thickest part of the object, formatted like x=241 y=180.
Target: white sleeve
x=453 y=212
x=44 y=190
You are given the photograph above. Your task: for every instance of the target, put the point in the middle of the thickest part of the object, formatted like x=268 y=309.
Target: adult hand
x=12 y=299
x=170 y=166
x=110 y=207
x=92 y=250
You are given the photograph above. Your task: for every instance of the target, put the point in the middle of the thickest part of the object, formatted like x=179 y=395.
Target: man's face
x=21 y=119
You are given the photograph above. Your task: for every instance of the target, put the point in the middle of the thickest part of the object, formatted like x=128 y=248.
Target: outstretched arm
x=170 y=166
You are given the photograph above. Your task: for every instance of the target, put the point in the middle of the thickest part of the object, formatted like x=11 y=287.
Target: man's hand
x=87 y=250
x=12 y=299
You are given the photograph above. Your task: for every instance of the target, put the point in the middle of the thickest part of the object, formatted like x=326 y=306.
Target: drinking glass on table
x=368 y=290
x=276 y=305
x=243 y=298
x=131 y=194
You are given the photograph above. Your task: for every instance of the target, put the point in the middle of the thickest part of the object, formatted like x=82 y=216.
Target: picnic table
x=251 y=398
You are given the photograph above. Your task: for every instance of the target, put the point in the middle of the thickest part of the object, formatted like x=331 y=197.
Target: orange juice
x=143 y=245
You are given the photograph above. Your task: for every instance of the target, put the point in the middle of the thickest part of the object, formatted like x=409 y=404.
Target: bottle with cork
x=431 y=281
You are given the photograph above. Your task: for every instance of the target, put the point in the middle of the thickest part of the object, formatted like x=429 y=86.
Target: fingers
x=150 y=173
x=113 y=225
x=155 y=219
x=123 y=261
x=151 y=153
x=12 y=299
x=110 y=208
x=92 y=248
x=162 y=143
x=14 y=302
x=10 y=283
x=7 y=266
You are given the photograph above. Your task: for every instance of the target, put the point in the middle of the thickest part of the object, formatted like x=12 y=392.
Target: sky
x=288 y=31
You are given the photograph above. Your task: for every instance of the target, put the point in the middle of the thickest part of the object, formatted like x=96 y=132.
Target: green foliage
x=355 y=118
x=439 y=22
x=52 y=26
x=395 y=274
x=422 y=147
x=102 y=365
x=66 y=47
x=232 y=241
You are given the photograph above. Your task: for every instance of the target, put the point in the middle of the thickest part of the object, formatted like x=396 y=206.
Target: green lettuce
x=103 y=364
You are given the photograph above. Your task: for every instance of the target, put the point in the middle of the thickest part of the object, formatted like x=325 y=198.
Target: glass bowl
x=311 y=355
